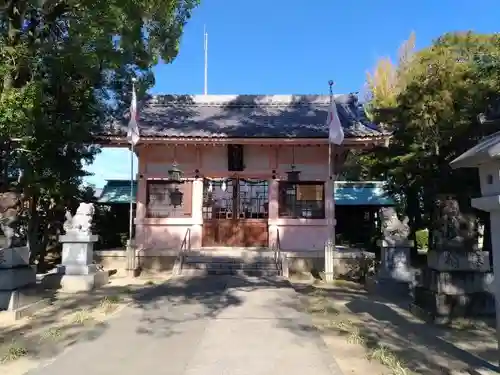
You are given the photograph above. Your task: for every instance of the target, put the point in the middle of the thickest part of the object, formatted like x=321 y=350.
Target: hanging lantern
x=176 y=197
x=223 y=186
x=174 y=173
x=293 y=175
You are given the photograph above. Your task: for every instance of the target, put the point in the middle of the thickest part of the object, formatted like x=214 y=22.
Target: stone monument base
x=443 y=308
x=83 y=283
x=17 y=304
x=394 y=277
x=388 y=287
x=19 y=294
x=77 y=272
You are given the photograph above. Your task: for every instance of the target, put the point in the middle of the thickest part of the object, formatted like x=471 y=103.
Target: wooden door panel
x=235 y=213
x=209 y=235
x=256 y=233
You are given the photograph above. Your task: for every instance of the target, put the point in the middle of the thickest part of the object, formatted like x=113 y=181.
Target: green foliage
x=435 y=119
x=65 y=67
x=422 y=239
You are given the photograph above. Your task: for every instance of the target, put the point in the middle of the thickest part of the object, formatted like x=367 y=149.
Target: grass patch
x=13 y=352
x=320 y=304
x=52 y=334
x=355 y=337
x=324 y=310
x=386 y=357
x=82 y=317
x=109 y=304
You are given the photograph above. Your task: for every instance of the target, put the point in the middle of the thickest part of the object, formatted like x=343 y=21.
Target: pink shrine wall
x=165 y=235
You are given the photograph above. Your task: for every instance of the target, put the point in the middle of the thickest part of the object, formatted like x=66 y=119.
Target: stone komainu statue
x=11 y=206
x=393 y=229
x=82 y=221
x=453 y=230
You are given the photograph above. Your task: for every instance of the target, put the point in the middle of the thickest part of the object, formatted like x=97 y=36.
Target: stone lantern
x=485 y=156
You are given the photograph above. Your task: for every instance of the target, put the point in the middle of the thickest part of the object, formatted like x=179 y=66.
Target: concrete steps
x=226 y=263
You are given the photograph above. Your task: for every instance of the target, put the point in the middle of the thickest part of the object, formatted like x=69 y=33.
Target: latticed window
x=235 y=199
x=302 y=200
x=160 y=202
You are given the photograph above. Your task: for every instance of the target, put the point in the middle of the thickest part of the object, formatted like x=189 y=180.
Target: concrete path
x=202 y=326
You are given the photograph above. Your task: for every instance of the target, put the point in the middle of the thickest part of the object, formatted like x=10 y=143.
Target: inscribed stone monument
x=458 y=273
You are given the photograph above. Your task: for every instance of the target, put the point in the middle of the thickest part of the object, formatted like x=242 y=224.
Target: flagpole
x=131 y=207
x=205 y=47
x=330 y=243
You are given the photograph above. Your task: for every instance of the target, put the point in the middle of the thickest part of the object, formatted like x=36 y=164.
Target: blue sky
x=295 y=47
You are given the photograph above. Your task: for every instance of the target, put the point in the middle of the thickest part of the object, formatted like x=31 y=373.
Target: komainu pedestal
x=19 y=293
x=394 y=275
x=77 y=270
x=458 y=276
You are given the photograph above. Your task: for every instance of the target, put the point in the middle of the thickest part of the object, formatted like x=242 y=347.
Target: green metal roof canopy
x=363 y=193
x=347 y=193
x=118 y=191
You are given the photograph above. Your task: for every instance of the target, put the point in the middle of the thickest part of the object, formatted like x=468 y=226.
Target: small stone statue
x=82 y=221
x=393 y=229
x=11 y=206
x=454 y=231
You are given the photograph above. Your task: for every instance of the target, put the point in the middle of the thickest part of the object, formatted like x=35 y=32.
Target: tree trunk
x=33 y=229
x=414 y=217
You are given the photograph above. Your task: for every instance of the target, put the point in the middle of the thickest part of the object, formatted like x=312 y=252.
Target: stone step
x=229 y=261
x=222 y=260
x=231 y=253
x=226 y=271
x=229 y=266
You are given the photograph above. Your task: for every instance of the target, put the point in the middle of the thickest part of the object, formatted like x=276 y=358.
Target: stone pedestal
x=78 y=273
x=395 y=261
x=19 y=295
x=455 y=285
x=394 y=276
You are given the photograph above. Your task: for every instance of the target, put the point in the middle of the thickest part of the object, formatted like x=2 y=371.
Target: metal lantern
x=174 y=173
x=176 y=197
x=293 y=175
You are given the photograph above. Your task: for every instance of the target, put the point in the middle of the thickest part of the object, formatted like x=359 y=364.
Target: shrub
x=422 y=237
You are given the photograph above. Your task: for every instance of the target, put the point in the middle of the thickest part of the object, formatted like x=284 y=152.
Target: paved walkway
x=202 y=326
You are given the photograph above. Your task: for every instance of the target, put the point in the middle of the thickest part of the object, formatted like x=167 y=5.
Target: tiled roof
x=235 y=116
x=117 y=191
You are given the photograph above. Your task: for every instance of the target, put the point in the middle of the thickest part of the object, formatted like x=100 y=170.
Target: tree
x=435 y=118
x=383 y=85
x=66 y=67
x=388 y=80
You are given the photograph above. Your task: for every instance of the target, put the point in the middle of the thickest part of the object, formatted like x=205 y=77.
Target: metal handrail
x=186 y=242
x=277 y=253
x=185 y=245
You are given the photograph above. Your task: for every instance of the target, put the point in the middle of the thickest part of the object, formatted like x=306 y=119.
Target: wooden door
x=235 y=213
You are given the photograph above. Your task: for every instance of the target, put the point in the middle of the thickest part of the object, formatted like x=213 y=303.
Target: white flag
x=133 y=129
x=335 y=130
